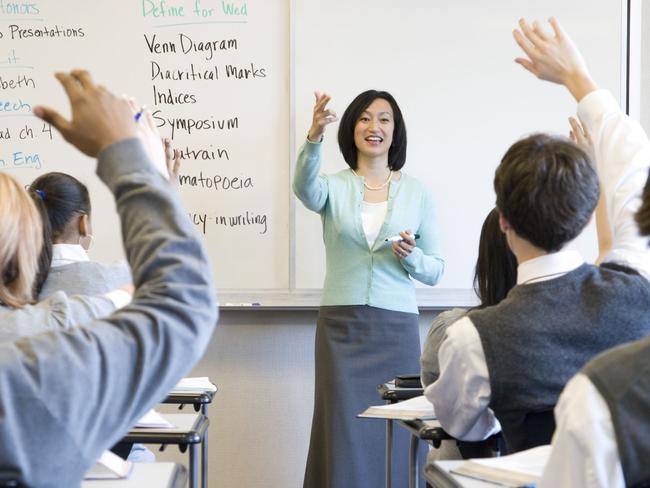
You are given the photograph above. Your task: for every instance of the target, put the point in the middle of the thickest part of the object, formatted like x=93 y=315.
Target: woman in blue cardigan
x=368 y=320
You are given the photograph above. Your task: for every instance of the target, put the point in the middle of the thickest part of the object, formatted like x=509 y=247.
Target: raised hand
x=553 y=57
x=99 y=118
x=321 y=118
x=173 y=160
x=580 y=135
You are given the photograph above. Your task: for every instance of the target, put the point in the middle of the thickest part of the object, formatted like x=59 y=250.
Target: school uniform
x=501 y=362
x=62 y=390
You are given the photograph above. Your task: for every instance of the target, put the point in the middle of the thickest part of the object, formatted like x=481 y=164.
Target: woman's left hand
x=403 y=248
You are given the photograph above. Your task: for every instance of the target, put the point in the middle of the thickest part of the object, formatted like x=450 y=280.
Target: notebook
x=414 y=408
x=109 y=467
x=201 y=383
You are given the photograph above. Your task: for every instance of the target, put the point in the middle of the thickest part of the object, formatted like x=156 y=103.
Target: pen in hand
x=400 y=238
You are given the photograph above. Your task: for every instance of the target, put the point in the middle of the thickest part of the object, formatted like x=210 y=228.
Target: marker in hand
x=400 y=238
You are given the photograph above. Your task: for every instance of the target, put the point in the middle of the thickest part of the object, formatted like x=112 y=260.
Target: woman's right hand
x=322 y=117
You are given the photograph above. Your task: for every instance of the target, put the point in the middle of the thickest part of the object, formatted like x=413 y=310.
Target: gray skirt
x=357 y=348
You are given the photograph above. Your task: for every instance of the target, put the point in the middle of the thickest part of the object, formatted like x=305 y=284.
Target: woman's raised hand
x=322 y=117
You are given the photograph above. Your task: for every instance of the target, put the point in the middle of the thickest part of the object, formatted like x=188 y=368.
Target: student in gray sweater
x=503 y=367
x=67 y=206
x=69 y=395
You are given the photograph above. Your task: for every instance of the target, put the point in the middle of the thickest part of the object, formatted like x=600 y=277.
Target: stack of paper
x=201 y=383
x=153 y=420
x=414 y=408
x=522 y=469
x=109 y=467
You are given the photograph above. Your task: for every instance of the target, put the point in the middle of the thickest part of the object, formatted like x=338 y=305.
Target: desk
x=428 y=430
x=200 y=399
x=438 y=476
x=151 y=475
x=189 y=432
x=391 y=394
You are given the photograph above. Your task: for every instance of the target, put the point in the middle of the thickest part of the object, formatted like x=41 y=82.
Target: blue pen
x=140 y=112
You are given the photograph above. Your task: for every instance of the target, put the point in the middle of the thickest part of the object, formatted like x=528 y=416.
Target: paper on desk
x=414 y=408
x=109 y=467
x=200 y=383
x=153 y=420
x=523 y=468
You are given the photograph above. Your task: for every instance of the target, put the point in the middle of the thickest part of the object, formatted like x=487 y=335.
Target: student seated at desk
x=67 y=395
x=25 y=245
x=603 y=425
x=504 y=366
x=67 y=205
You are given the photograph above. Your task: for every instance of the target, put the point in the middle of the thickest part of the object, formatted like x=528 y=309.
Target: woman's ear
x=84 y=225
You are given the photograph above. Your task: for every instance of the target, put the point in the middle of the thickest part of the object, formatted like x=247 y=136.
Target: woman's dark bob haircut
x=397 y=151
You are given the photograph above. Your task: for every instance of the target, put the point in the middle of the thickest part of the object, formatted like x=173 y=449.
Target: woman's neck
x=373 y=169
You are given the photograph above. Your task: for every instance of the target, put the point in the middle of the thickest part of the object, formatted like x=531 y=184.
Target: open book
x=411 y=409
x=522 y=469
x=109 y=467
x=201 y=383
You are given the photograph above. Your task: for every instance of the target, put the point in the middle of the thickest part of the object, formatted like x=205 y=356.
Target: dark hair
x=546 y=189
x=642 y=216
x=397 y=151
x=45 y=256
x=64 y=197
x=496 y=266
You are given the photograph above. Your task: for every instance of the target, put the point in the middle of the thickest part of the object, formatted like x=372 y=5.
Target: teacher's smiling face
x=373 y=132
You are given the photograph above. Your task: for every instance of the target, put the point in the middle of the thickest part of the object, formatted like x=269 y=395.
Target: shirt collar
x=63 y=254
x=548 y=266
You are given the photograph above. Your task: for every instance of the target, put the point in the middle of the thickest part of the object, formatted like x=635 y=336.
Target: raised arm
x=310 y=188
x=621 y=147
x=85 y=387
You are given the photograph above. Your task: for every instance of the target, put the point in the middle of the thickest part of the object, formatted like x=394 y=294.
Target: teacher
x=367 y=327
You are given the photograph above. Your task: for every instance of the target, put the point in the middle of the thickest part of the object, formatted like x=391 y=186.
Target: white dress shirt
x=584 y=450
x=462 y=393
x=372 y=219
x=63 y=254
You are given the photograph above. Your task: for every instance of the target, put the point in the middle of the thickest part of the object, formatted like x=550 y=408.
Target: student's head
x=21 y=238
x=373 y=114
x=67 y=203
x=547 y=190
x=496 y=267
x=643 y=214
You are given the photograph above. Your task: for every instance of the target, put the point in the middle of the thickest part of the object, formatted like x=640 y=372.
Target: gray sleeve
x=429 y=368
x=92 y=383
x=56 y=312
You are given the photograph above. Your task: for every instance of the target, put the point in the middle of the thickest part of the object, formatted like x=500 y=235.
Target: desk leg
x=194 y=466
x=389 y=453
x=413 y=462
x=204 y=461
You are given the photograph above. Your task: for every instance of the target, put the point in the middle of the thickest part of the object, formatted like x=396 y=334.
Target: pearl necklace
x=375 y=188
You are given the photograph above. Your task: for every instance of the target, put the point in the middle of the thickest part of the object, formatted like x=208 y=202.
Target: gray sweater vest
x=622 y=376
x=543 y=333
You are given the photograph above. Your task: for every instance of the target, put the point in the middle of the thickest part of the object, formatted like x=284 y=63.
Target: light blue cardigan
x=357 y=275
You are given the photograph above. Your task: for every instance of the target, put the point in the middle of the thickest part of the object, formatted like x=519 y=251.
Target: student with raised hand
x=603 y=425
x=504 y=367
x=69 y=395
x=367 y=328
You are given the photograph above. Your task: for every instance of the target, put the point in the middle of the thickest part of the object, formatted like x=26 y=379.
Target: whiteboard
x=215 y=76
x=450 y=67
x=449 y=64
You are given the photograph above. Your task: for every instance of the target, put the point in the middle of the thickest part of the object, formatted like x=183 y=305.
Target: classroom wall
x=262 y=362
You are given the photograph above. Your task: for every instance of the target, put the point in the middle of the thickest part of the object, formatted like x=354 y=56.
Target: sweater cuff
x=122 y=157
